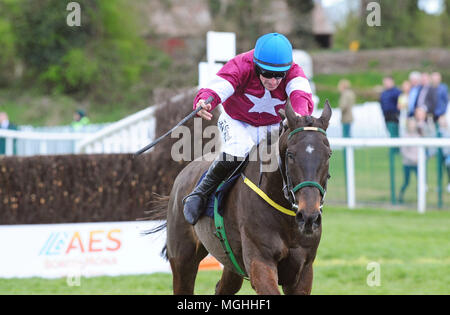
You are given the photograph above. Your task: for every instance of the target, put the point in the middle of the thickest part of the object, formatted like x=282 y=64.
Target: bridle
x=289 y=189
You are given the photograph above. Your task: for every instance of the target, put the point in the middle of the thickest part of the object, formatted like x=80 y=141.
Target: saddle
x=221 y=192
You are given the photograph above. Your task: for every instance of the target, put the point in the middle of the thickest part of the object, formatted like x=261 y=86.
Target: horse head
x=305 y=150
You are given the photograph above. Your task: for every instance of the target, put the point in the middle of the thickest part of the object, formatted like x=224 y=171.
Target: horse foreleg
x=229 y=284
x=264 y=277
x=304 y=283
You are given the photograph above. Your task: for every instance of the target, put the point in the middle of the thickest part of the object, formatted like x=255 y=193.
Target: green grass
x=413 y=252
x=412 y=249
x=365 y=79
x=363 y=84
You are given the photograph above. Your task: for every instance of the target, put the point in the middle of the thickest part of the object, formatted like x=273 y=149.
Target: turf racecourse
x=364 y=251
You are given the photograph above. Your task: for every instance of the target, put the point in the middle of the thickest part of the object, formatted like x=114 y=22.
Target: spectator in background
x=441 y=96
x=445 y=133
x=388 y=102
x=424 y=107
x=402 y=104
x=410 y=156
x=426 y=97
x=346 y=102
x=414 y=80
x=6 y=124
x=425 y=127
x=79 y=120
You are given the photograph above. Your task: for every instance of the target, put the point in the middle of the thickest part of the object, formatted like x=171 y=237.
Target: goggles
x=278 y=75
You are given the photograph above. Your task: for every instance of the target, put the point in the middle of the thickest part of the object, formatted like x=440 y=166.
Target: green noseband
x=309 y=184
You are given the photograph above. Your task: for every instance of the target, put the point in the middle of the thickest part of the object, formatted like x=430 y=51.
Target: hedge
x=91 y=188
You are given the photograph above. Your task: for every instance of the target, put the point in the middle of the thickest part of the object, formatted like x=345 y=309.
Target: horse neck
x=271 y=181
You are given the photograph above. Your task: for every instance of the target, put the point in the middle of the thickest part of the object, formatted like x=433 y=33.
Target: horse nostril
x=300 y=218
x=318 y=220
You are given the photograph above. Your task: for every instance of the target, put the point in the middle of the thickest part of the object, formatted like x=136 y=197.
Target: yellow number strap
x=263 y=195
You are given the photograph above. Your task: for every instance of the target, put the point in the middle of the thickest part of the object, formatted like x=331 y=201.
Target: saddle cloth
x=221 y=194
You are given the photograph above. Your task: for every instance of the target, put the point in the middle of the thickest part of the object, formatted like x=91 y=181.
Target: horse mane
x=309 y=121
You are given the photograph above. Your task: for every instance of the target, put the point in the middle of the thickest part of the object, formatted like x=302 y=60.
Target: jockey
x=252 y=87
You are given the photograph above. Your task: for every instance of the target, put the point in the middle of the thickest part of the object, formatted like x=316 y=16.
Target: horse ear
x=283 y=123
x=291 y=116
x=282 y=114
x=326 y=114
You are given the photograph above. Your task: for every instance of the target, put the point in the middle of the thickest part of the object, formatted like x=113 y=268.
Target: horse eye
x=290 y=155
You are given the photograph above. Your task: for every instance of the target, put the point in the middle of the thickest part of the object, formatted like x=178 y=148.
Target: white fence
x=136 y=131
x=421 y=143
x=127 y=135
x=45 y=142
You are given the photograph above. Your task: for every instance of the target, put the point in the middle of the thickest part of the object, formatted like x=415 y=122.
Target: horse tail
x=158 y=212
x=158 y=208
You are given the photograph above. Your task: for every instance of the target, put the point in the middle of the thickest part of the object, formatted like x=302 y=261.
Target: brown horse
x=271 y=247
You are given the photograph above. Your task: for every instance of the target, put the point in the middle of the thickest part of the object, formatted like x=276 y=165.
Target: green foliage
x=301 y=6
x=302 y=35
x=347 y=32
x=44 y=34
x=398 y=26
x=6 y=41
x=7 y=51
x=102 y=59
x=243 y=17
x=403 y=24
x=80 y=71
x=248 y=19
x=76 y=72
x=214 y=7
x=445 y=23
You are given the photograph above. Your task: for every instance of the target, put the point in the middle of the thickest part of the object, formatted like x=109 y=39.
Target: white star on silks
x=265 y=104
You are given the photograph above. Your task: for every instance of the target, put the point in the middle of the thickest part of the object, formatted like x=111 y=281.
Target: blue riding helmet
x=273 y=52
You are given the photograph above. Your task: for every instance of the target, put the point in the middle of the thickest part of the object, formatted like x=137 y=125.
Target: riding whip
x=151 y=145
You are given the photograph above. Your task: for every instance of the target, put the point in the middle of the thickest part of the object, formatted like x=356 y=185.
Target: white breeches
x=239 y=137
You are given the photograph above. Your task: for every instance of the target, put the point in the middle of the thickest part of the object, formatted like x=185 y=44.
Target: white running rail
x=422 y=143
x=127 y=135
x=46 y=141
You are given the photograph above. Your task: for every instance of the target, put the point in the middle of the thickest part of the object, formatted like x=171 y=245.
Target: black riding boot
x=195 y=202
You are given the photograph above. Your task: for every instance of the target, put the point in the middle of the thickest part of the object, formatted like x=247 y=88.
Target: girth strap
x=221 y=235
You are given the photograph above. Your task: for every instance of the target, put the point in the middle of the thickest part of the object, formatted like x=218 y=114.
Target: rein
x=288 y=188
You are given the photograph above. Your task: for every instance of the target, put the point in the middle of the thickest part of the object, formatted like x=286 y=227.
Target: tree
x=445 y=24
x=302 y=34
x=104 y=56
x=242 y=17
x=398 y=24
